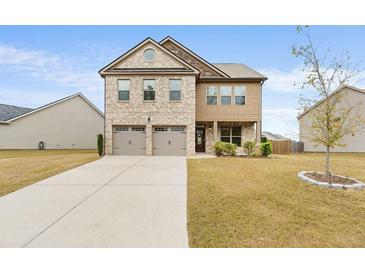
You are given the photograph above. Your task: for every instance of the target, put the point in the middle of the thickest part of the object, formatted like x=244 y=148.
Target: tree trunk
x=328 y=173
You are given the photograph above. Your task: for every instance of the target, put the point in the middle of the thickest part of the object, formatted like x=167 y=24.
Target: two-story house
x=163 y=99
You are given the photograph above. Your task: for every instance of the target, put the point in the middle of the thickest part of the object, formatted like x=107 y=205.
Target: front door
x=200 y=139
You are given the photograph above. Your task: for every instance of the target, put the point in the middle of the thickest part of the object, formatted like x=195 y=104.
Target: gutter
x=5 y=123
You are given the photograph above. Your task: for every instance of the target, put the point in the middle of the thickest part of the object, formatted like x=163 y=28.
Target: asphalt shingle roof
x=8 y=112
x=274 y=136
x=239 y=71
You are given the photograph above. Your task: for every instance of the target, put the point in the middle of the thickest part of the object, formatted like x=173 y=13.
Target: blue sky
x=39 y=64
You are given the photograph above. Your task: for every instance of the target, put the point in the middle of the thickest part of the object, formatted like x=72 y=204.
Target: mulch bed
x=334 y=179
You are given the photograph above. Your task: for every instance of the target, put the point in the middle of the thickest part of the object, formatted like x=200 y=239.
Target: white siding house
x=70 y=123
x=353 y=143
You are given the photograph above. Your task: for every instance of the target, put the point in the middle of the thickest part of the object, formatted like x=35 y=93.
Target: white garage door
x=129 y=140
x=169 y=141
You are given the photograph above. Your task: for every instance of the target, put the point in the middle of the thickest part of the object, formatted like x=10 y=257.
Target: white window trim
x=129 y=91
x=206 y=95
x=220 y=95
x=244 y=95
x=149 y=61
x=149 y=101
x=181 y=88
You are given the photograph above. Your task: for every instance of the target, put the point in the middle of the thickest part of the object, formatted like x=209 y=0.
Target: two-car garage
x=166 y=140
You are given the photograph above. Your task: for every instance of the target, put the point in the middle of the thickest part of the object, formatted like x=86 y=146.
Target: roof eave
x=219 y=71
x=133 y=49
x=251 y=79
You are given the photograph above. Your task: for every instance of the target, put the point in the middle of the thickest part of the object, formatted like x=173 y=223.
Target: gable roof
x=8 y=111
x=196 y=56
x=274 y=136
x=55 y=103
x=333 y=93
x=240 y=71
x=108 y=68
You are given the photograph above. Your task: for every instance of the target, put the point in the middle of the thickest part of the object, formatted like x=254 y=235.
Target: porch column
x=149 y=139
x=258 y=132
x=215 y=131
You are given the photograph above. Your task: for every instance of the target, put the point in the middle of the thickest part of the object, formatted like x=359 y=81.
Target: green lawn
x=19 y=168
x=237 y=202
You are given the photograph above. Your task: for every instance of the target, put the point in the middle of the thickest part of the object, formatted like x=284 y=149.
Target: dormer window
x=149 y=55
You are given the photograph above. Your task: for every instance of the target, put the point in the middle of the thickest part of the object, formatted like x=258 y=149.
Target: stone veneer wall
x=161 y=111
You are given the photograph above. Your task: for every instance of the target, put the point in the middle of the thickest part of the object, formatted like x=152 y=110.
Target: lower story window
x=231 y=135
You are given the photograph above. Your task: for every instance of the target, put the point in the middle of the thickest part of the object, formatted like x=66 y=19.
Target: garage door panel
x=169 y=141
x=128 y=141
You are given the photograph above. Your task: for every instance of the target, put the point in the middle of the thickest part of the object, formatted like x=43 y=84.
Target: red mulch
x=334 y=179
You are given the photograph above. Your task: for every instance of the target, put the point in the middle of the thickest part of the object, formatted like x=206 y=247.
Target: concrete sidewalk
x=118 y=201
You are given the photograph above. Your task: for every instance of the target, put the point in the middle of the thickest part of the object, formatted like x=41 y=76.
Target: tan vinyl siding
x=353 y=143
x=251 y=111
x=72 y=124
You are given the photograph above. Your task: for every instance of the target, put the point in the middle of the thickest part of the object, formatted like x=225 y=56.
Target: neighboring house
x=353 y=143
x=69 y=123
x=163 y=99
x=274 y=136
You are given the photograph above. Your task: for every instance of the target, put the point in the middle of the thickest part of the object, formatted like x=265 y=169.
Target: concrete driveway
x=117 y=201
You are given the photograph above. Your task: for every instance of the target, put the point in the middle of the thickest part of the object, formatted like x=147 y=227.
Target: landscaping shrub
x=223 y=148
x=266 y=149
x=249 y=147
x=263 y=139
x=100 y=143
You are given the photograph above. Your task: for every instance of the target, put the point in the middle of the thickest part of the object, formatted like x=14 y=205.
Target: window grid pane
x=123 y=84
x=226 y=139
x=239 y=90
x=226 y=91
x=211 y=100
x=225 y=100
x=149 y=84
x=124 y=95
x=236 y=131
x=225 y=131
x=175 y=84
x=212 y=91
x=175 y=95
x=239 y=100
x=149 y=95
x=237 y=141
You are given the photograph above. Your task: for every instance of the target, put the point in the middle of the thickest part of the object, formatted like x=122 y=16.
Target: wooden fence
x=286 y=146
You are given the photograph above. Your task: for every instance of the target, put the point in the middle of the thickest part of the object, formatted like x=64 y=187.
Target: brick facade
x=136 y=111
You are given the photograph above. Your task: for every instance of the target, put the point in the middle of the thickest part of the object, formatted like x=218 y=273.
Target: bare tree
x=332 y=117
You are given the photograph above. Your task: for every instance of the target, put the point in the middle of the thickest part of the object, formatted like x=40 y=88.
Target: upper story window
x=239 y=95
x=123 y=90
x=226 y=95
x=212 y=93
x=149 y=55
x=175 y=90
x=149 y=90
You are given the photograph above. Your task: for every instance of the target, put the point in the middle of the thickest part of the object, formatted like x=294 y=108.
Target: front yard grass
x=19 y=168
x=237 y=202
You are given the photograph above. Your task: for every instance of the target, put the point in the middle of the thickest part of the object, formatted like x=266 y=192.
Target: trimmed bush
x=223 y=148
x=263 y=139
x=266 y=149
x=249 y=147
x=100 y=143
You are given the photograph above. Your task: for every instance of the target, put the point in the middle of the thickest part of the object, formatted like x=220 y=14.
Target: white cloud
x=280 y=120
x=44 y=66
x=283 y=81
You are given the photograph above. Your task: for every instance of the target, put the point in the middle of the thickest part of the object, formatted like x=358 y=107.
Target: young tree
x=332 y=117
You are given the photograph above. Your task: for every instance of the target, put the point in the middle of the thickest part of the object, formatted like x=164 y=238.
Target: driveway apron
x=117 y=201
